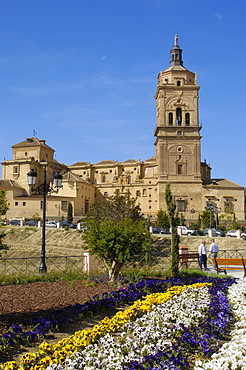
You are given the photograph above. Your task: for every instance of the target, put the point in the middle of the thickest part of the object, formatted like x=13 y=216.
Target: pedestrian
x=202 y=251
x=214 y=249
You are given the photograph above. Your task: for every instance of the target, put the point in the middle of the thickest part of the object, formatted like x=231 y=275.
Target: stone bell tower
x=177 y=128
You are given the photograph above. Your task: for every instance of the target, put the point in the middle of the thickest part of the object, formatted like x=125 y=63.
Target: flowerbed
x=163 y=331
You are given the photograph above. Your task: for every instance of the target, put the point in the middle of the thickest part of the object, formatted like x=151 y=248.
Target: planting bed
x=19 y=303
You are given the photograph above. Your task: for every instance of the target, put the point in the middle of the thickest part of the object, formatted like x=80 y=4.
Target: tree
x=162 y=219
x=181 y=220
x=116 y=208
x=173 y=219
x=207 y=216
x=3 y=203
x=117 y=243
x=36 y=217
x=70 y=212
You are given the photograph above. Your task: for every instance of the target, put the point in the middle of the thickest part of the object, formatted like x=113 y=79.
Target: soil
x=20 y=303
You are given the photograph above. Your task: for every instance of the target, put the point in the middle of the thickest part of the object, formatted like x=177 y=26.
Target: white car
x=50 y=224
x=186 y=230
x=233 y=234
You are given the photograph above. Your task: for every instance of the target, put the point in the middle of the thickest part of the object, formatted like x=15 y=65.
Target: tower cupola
x=176 y=53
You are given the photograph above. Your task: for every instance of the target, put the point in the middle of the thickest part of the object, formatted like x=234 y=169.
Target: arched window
x=187 y=119
x=103 y=178
x=170 y=119
x=179 y=116
x=178 y=83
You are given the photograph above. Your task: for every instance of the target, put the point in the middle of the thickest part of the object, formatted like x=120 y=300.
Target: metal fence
x=27 y=265
x=162 y=261
x=158 y=261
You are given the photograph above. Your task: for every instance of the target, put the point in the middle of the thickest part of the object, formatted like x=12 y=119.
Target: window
x=128 y=179
x=41 y=204
x=228 y=207
x=178 y=83
x=179 y=116
x=187 y=119
x=63 y=204
x=86 y=206
x=24 y=204
x=170 y=119
x=16 y=203
x=181 y=205
x=15 y=170
x=138 y=194
x=103 y=178
x=180 y=169
x=144 y=192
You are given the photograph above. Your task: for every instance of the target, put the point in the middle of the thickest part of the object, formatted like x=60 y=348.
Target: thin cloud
x=219 y=17
x=44 y=90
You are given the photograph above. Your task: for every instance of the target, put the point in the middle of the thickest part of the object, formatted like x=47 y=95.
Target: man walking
x=202 y=251
x=214 y=249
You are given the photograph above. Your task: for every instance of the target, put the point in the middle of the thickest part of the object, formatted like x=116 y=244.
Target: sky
x=82 y=74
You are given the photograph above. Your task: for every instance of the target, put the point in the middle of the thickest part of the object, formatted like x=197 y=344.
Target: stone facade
x=177 y=160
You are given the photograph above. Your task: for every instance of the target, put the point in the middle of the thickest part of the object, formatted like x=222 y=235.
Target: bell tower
x=178 y=134
x=177 y=124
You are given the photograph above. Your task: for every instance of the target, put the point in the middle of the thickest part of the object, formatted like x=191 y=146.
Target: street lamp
x=43 y=189
x=213 y=208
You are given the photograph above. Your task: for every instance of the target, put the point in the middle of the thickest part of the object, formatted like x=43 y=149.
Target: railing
x=163 y=260
x=26 y=265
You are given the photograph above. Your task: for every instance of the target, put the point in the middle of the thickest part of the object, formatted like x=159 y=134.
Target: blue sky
x=83 y=74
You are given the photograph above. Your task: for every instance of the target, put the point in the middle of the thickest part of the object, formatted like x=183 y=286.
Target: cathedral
x=177 y=160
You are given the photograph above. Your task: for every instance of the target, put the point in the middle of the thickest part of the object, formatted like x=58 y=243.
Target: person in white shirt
x=202 y=251
x=214 y=249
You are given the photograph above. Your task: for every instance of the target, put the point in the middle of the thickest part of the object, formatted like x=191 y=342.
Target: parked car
x=32 y=223
x=215 y=232
x=187 y=231
x=68 y=224
x=50 y=224
x=157 y=230
x=233 y=234
x=15 y=222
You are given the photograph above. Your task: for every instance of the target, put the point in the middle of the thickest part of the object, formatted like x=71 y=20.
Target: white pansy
x=144 y=336
x=232 y=355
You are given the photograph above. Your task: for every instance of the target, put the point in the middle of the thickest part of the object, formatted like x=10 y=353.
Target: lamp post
x=43 y=189
x=213 y=208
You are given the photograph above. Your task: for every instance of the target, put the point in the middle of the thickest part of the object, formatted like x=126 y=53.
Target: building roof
x=225 y=183
x=80 y=164
x=108 y=161
x=33 y=141
x=152 y=159
x=69 y=176
x=9 y=183
x=131 y=161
